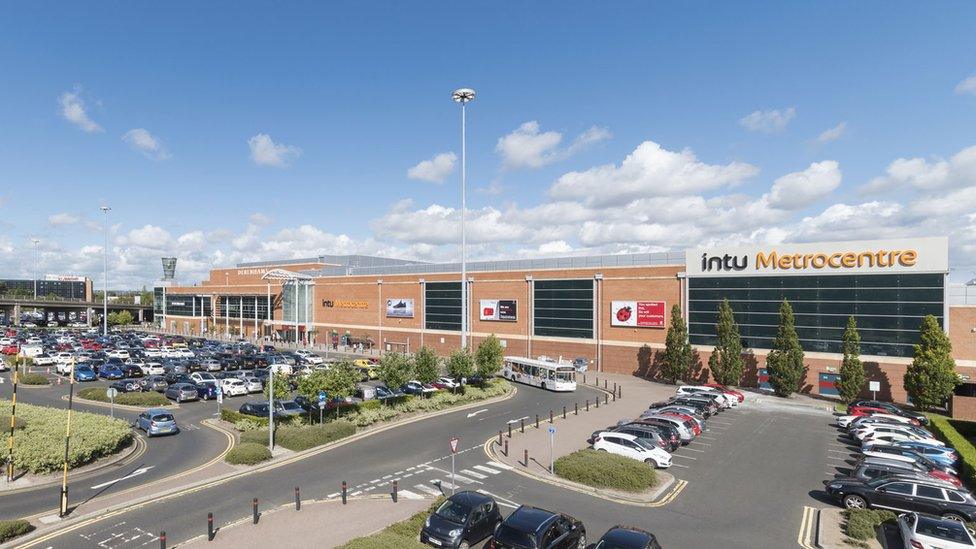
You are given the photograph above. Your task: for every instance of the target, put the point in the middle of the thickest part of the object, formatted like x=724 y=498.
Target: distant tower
x=169 y=268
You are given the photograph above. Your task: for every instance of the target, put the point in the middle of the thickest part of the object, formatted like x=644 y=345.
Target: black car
x=258 y=409
x=177 y=377
x=891 y=409
x=206 y=391
x=904 y=495
x=126 y=386
x=463 y=520
x=531 y=527
x=627 y=537
x=131 y=370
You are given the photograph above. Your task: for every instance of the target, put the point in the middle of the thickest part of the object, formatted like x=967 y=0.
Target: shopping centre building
x=604 y=308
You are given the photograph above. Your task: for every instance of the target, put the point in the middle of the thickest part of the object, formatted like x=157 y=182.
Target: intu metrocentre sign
x=915 y=255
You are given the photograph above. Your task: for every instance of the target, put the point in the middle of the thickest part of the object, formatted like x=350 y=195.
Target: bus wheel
x=543 y=385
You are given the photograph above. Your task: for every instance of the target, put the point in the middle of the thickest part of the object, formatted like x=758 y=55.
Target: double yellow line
x=808 y=528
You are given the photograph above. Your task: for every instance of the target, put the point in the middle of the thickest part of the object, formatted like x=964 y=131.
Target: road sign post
x=874 y=387
x=454 y=449
x=220 y=398
x=552 y=434
x=111 y=393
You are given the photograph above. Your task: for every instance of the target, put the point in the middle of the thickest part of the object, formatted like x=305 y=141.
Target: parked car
x=889 y=408
x=685 y=435
x=446 y=383
x=131 y=370
x=287 y=408
x=206 y=391
x=417 y=388
x=211 y=365
x=85 y=373
x=233 y=387
x=633 y=447
x=182 y=392
x=44 y=359
x=126 y=386
x=464 y=519
x=906 y=455
x=383 y=392
x=868 y=468
x=649 y=433
x=203 y=377
x=627 y=537
x=942 y=455
x=257 y=409
x=156 y=421
x=254 y=385
x=152 y=368
x=738 y=394
x=902 y=495
x=924 y=531
x=153 y=383
x=530 y=527
x=110 y=372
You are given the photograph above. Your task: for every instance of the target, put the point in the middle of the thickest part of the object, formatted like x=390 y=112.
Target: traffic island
x=839 y=528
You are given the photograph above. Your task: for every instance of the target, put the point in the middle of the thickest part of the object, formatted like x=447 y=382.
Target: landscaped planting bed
x=399 y=535
x=604 y=470
x=148 y=400
x=32 y=379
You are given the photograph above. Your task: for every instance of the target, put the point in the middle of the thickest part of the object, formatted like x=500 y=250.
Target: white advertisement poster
x=638 y=314
x=399 y=308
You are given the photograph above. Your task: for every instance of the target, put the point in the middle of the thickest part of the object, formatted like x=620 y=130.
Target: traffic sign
x=322 y=396
x=552 y=430
x=321 y=404
x=111 y=392
x=454 y=444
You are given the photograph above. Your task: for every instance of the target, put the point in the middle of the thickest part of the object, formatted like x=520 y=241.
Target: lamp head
x=463 y=95
x=105 y=209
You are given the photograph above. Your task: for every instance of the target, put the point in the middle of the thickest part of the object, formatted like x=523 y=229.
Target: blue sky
x=231 y=131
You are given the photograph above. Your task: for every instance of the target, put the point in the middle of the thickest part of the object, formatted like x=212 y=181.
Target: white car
x=928 y=532
x=185 y=353
x=118 y=353
x=853 y=422
x=233 y=386
x=211 y=365
x=723 y=400
x=630 y=446
x=309 y=357
x=448 y=382
x=890 y=439
x=254 y=384
x=44 y=359
x=153 y=353
x=152 y=368
x=203 y=377
x=878 y=428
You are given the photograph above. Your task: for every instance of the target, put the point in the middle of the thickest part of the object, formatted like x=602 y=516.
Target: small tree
x=678 y=353
x=395 y=370
x=931 y=377
x=426 y=366
x=281 y=387
x=851 y=370
x=784 y=363
x=338 y=381
x=725 y=361
x=489 y=357
x=460 y=364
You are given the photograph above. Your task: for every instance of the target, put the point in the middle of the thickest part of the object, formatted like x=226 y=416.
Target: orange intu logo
x=838 y=260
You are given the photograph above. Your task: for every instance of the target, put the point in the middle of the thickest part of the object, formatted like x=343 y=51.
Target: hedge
x=439 y=401
x=399 y=535
x=862 y=524
x=10 y=529
x=949 y=431
x=149 y=399
x=605 y=470
x=248 y=453
x=32 y=379
x=303 y=437
x=39 y=448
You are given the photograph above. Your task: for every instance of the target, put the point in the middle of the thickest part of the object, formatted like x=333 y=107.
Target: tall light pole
x=105 y=210
x=463 y=96
x=34 y=241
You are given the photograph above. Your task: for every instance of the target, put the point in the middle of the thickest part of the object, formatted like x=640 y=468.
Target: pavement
x=318 y=524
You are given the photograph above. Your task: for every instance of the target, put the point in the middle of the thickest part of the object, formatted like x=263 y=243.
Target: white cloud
x=771 y=121
x=967 y=86
x=528 y=147
x=62 y=219
x=147 y=236
x=928 y=175
x=434 y=170
x=438 y=224
x=146 y=143
x=650 y=170
x=73 y=110
x=832 y=134
x=799 y=189
x=492 y=189
x=265 y=152
x=261 y=219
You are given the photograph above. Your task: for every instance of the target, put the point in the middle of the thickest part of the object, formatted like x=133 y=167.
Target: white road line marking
x=463 y=479
x=511 y=420
x=706 y=437
x=500 y=465
x=398 y=473
x=357 y=492
x=332 y=495
x=375 y=480
x=410 y=495
x=471 y=473
x=384 y=477
x=500 y=500
x=679 y=465
x=837 y=458
x=408 y=468
x=137 y=472
x=486 y=469
x=681 y=456
x=426 y=489
x=694 y=450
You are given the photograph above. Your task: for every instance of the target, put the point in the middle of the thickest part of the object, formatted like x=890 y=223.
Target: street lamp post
x=463 y=96
x=105 y=210
x=34 y=241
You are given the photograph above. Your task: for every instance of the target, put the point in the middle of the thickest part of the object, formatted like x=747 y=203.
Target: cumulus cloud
x=437 y=224
x=967 y=86
x=832 y=134
x=771 y=121
x=928 y=174
x=62 y=219
x=799 y=189
x=528 y=147
x=261 y=219
x=265 y=152
x=434 y=170
x=650 y=170
x=146 y=143
x=74 y=110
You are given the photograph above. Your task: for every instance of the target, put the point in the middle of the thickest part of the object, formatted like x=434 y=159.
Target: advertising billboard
x=498 y=309
x=399 y=308
x=637 y=314
x=63 y=278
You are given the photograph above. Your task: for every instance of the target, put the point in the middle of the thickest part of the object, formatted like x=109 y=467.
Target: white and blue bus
x=548 y=374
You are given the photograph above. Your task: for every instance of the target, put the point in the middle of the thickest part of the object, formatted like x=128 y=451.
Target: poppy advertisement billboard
x=498 y=309
x=399 y=308
x=637 y=314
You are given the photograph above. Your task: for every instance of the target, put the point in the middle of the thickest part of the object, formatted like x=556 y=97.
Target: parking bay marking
x=685 y=457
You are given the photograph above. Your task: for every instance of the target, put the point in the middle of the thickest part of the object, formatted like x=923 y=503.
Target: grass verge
x=399 y=535
x=32 y=379
x=605 y=470
x=9 y=529
x=148 y=400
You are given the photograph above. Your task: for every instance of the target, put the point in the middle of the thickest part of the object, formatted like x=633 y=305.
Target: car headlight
x=427 y=523
x=454 y=533
x=834 y=486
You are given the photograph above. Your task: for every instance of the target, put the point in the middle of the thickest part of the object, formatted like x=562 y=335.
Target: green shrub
x=248 y=453
x=249 y=425
x=862 y=524
x=233 y=416
x=399 y=535
x=949 y=432
x=369 y=405
x=309 y=436
x=39 y=448
x=10 y=529
x=255 y=436
x=32 y=379
x=148 y=400
x=5 y=424
x=605 y=470
x=439 y=401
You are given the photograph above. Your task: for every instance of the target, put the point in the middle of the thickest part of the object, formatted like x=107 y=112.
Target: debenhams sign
x=914 y=255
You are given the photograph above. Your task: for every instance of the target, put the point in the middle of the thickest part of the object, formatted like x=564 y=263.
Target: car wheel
x=953 y=516
x=464 y=545
x=855 y=501
x=543 y=386
x=581 y=544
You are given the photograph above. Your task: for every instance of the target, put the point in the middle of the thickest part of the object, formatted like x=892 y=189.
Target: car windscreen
x=643 y=443
x=453 y=511
x=291 y=406
x=513 y=538
x=943 y=529
x=162 y=417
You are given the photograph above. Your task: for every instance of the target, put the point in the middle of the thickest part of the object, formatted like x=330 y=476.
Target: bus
x=542 y=372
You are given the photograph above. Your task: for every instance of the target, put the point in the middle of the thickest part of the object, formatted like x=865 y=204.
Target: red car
x=10 y=349
x=740 y=396
x=864 y=411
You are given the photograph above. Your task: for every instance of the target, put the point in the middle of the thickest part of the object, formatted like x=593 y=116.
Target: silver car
x=157 y=422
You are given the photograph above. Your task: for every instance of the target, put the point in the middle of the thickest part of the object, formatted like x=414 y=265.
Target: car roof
x=616 y=434
x=529 y=519
x=627 y=536
x=470 y=498
x=157 y=411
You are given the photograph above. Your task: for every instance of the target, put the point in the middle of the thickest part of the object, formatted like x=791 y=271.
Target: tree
x=460 y=364
x=426 y=366
x=678 y=353
x=784 y=363
x=281 y=388
x=395 y=369
x=489 y=357
x=726 y=360
x=121 y=318
x=931 y=377
x=851 y=370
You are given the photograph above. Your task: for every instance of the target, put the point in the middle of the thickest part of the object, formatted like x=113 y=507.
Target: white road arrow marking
x=517 y=420
x=472 y=414
x=137 y=472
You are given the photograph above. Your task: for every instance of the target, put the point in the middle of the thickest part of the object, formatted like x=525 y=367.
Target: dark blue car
x=85 y=373
x=206 y=391
x=110 y=372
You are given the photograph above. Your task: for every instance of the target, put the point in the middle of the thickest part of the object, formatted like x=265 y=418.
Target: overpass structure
x=11 y=307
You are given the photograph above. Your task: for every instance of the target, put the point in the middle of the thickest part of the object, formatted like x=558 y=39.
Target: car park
x=919 y=531
x=627 y=537
x=462 y=520
x=157 y=421
x=904 y=495
x=531 y=527
x=633 y=447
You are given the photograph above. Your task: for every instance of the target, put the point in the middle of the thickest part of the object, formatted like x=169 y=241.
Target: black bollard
x=162 y=540
x=395 y=484
x=506 y=447
x=526 y=458
x=606 y=398
x=550 y=416
x=597 y=401
x=509 y=430
x=298 y=499
x=210 y=532
x=537 y=421
x=564 y=412
x=523 y=424
x=254 y=509
x=587 y=405
x=499 y=438
x=576 y=408
x=343 y=492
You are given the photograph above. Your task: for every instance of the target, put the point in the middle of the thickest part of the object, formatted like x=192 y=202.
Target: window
x=442 y=306
x=563 y=308
x=903 y=488
x=955 y=497
x=872 y=473
x=929 y=492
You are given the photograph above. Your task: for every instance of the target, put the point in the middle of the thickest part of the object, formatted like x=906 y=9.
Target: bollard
x=343 y=492
x=395 y=484
x=576 y=408
x=162 y=540
x=587 y=405
x=210 y=532
x=620 y=392
x=509 y=430
x=598 y=402
x=298 y=500
x=537 y=421
x=606 y=398
x=254 y=509
x=506 y=447
x=564 y=412
x=523 y=425
x=615 y=391
x=584 y=379
x=550 y=416
x=597 y=381
x=526 y=457
x=499 y=438
x=604 y=383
